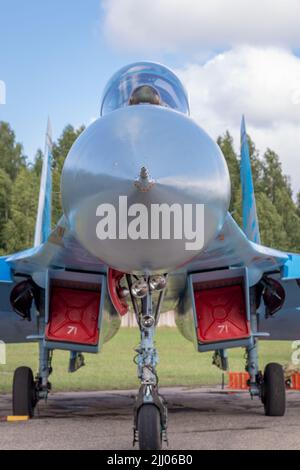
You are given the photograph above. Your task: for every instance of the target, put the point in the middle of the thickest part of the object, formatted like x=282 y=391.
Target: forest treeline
x=279 y=214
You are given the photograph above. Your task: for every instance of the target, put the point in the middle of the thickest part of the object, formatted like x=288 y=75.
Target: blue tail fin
x=44 y=215
x=250 y=220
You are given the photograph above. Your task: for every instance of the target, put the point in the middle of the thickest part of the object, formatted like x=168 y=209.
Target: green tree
x=287 y=209
x=5 y=202
x=38 y=163
x=226 y=144
x=11 y=153
x=271 y=224
x=298 y=204
x=60 y=152
x=273 y=177
x=278 y=189
x=19 y=229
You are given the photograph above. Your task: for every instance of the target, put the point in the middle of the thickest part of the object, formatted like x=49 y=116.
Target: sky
x=234 y=56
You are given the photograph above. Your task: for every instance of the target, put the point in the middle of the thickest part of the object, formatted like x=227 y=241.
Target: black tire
x=273 y=396
x=149 y=427
x=24 y=393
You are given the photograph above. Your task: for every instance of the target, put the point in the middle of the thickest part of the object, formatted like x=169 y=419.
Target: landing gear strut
x=150 y=412
x=27 y=391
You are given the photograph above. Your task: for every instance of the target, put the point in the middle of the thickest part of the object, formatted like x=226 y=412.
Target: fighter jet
x=146 y=226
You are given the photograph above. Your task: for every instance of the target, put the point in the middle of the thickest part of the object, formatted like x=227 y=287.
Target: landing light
x=158 y=283
x=148 y=321
x=140 y=289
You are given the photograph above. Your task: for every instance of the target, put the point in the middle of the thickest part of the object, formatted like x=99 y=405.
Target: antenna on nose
x=145 y=183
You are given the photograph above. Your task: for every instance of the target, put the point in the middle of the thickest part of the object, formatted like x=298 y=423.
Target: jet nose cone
x=142 y=186
x=144 y=183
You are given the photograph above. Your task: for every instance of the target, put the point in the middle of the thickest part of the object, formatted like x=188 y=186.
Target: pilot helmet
x=145 y=83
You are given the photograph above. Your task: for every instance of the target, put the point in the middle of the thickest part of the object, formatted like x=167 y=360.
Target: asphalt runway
x=198 y=419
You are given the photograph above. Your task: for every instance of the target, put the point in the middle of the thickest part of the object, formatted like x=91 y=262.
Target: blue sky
x=54 y=61
x=56 y=57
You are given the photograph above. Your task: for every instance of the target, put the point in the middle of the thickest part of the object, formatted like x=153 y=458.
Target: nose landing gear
x=150 y=419
x=150 y=412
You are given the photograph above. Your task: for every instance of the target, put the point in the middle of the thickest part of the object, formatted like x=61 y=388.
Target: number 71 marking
x=72 y=330
x=223 y=329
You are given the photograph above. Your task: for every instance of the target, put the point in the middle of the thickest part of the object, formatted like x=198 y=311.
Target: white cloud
x=263 y=84
x=169 y=25
x=260 y=80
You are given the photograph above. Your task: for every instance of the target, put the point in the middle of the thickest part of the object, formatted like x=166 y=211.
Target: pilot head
x=145 y=94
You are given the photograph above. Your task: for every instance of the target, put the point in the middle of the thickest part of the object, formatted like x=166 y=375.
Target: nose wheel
x=150 y=419
x=149 y=428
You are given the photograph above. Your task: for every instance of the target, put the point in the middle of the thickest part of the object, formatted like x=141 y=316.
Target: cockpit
x=145 y=83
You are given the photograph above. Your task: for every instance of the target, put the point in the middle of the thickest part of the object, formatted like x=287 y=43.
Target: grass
x=113 y=368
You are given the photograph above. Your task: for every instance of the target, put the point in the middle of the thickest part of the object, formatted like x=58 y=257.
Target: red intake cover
x=73 y=316
x=221 y=314
x=114 y=277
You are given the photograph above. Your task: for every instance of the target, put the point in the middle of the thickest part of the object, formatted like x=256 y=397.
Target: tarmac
x=199 y=418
